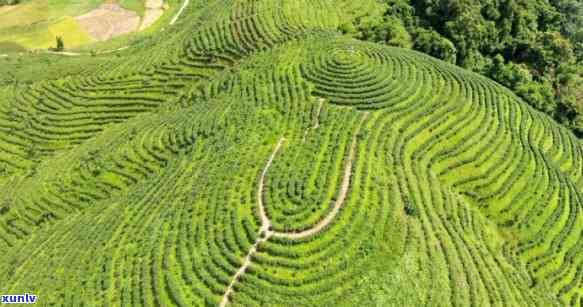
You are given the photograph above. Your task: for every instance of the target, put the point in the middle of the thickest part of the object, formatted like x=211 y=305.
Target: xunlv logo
x=18 y=299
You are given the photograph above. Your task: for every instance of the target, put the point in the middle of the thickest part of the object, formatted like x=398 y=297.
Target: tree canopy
x=535 y=48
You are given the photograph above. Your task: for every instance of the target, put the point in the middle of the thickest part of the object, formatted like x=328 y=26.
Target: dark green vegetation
x=10 y=2
x=60 y=43
x=534 y=47
x=137 y=178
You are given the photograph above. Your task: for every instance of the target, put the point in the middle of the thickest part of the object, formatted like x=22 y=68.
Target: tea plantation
x=251 y=155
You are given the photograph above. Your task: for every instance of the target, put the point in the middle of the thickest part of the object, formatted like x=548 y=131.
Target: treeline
x=10 y=2
x=534 y=47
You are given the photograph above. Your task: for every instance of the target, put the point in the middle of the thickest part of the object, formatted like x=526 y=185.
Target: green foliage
x=9 y=47
x=60 y=44
x=137 y=6
x=536 y=40
x=432 y=43
x=145 y=177
x=388 y=30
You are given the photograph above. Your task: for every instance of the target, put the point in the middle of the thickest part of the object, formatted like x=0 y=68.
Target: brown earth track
x=265 y=232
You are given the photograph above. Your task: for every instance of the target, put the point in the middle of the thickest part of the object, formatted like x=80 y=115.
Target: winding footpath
x=66 y=53
x=265 y=232
x=184 y=5
x=317 y=124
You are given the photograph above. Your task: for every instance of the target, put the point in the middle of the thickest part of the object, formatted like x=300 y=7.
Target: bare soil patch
x=108 y=21
x=7 y=8
x=154 y=10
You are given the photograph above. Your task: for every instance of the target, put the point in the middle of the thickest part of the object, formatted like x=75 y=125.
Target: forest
x=533 y=47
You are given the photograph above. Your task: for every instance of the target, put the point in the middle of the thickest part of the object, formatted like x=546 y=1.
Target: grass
x=138 y=6
x=35 y=24
x=10 y=47
x=24 y=15
x=44 y=36
x=34 y=36
x=68 y=28
x=60 y=8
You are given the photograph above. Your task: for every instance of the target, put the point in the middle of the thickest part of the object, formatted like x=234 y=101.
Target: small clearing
x=108 y=21
x=154 y=10
x=111 y=19
x=264 y=233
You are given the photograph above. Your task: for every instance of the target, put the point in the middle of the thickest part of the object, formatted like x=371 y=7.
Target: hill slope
x=251 y=155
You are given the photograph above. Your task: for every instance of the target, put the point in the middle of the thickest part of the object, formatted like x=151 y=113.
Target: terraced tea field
x=250 y=155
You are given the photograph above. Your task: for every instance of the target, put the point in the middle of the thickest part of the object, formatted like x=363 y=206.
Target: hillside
x=35 y=24
x=533 y=47
x=252 y=155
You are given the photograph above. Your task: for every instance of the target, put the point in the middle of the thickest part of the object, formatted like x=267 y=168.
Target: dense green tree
x=432 y=43
x=60 y=43
x=534 y=47
x=509 y=74
x=390 y=31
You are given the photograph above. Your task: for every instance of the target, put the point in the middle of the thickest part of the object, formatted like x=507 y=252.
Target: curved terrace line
x=265 y=232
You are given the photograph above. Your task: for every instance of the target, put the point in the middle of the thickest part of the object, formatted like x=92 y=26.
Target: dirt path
x=67 y=53
x=265 y=221
x=242 y=269
x=265 y=232
x=317 y=124
x=341 y=198
x=184 y=5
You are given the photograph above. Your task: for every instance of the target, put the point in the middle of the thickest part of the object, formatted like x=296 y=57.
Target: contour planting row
x=511 y=176
x=304 y=182
x=344 y=66
x=90 y=175
x=287 y=268
x=423 y=204
x=238 y=29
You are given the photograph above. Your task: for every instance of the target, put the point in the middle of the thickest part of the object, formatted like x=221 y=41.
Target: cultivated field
x=250 y=155
x=36 y=24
